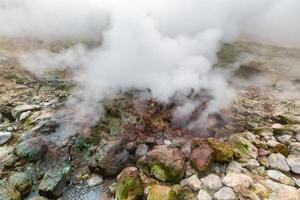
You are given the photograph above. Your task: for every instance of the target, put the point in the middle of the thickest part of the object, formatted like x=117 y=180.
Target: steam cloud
x=167 y=46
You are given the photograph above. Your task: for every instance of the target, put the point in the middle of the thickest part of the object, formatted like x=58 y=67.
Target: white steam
x=167 y=46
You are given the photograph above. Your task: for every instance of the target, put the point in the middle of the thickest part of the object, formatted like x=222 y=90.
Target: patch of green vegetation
x=227 y=54
x=81 y=143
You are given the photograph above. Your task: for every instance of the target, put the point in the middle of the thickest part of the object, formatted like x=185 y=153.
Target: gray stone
x=272 y=143
x=16 y=111
x=251 y=164
x=24 y=115
x=234 y=179
x=234 y=167
x=95 y=180
x=295 y=148
x=54 y=181
x=203 y=195
x=192 y=182
x=141 y=150
x=278 y=161
x=212 y=182
x=225 y=193
x=285 y=139
x=294 y=162
x=110 y=157
x=4 y=137
x=282 y=178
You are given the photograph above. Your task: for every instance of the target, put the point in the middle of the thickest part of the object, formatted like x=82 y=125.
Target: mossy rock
x=130 y=188
x=281 y=148
x=227 y=54
x=243 y=148
x=223 y=151
x=21 y=181
x=163 y=163
x=54 y=181
x=8 y=192
x=31 y=149
x=161 y=192
x=184 y=193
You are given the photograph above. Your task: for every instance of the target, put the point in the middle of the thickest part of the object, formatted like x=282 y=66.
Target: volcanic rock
x=282 y=178
x=4 y=137
x=31 y=149
x=203 y=195
x=234 y=179
x=223 y=150
x=130 y=185
x=202 y=155
x=21 y=181
x=54 y=181
x=243 y=148
x=164 y=163
x=278 y=161
x=294 y=162
x=16 y=111
x=225 y=193
x=8 y=192
x=161 y=192
x=192 y=182
x=110 y=157
x=212 y=182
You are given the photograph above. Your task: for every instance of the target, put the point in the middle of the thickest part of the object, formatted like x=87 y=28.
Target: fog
x=166 y=46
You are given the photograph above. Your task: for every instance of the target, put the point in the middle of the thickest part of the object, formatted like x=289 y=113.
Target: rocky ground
x=135 y=152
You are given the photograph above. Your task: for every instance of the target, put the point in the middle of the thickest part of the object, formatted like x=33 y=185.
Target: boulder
x=184 y=193
x=223 y=150
x=31 y=149
x=164 y=163
x=192 y=182
x=295 y=148
x=282 y=148
x=141 y=150
x=94 y=180
x=243 y=148
x=282 y=178
x=225 y=193
x=8 y=192
x=110 y=157
x=294 y=163
x=21 y=181
x=202 y=156
x=278 y=161
x=203 y=195
x=212 y=182
x=234 y=179
x=54 y=181
x=161 y=192
x=285 y=194
x=130 y=185
x=18 y=110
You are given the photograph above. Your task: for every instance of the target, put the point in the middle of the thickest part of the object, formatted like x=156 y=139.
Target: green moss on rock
x=130 y=185
x=161 y=192
x=223 y=150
